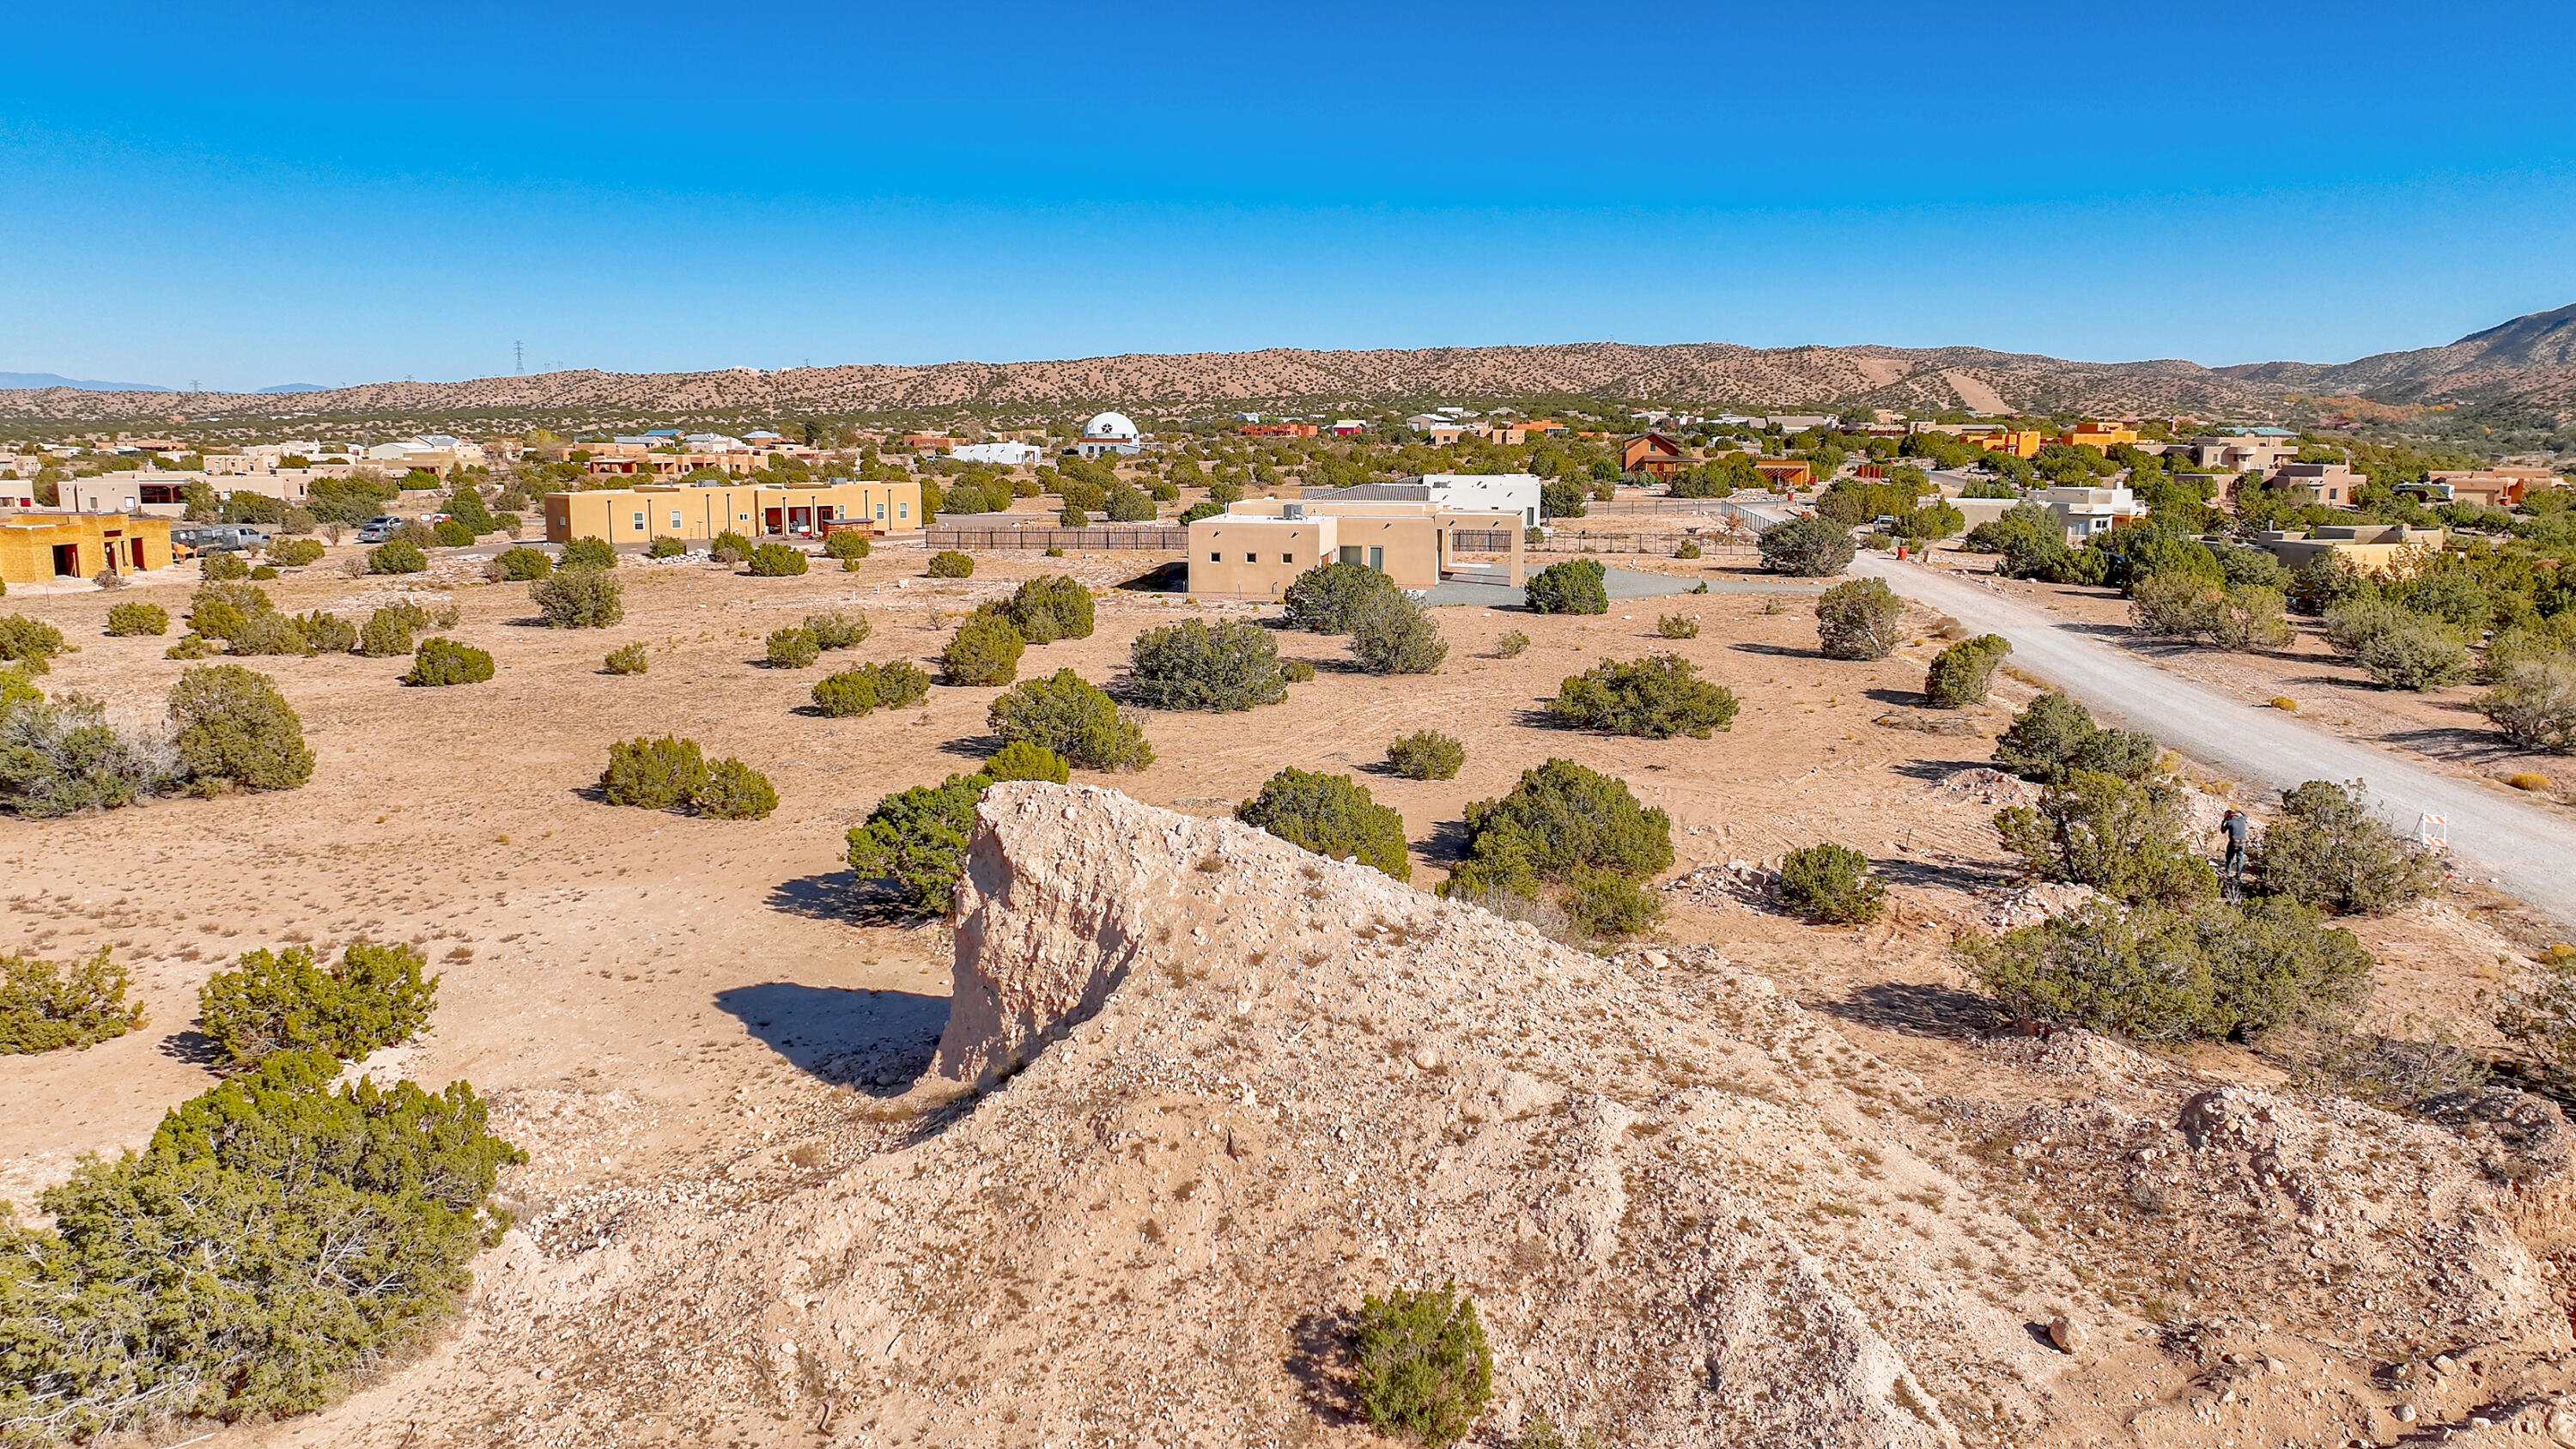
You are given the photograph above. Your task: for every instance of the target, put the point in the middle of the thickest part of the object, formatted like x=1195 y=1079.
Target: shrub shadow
x=973 y=747
x=1918 y=1010
x=1933 y=772
x=1941 y=875
x=878 y=1042
x=192 y=1047
x=840 y=895
x=1318 y=1360
x=1446 y=845
x=2450 y=742
x=1783 y=651
x=1912 y=698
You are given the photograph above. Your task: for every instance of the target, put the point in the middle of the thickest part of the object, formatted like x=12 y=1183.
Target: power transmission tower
x=518 y=358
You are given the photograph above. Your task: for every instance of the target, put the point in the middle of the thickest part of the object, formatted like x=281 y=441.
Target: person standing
x=2238 y=827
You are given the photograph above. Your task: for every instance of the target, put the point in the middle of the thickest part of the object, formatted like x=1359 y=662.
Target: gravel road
x=2525 y=850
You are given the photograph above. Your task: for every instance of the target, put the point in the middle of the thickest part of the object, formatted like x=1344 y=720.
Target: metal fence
x=1680 y=505
x=1480 y=540
x=1148 y=540
x=1710 y=545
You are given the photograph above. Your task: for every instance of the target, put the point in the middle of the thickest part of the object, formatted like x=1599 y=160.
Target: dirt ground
x=649 y=997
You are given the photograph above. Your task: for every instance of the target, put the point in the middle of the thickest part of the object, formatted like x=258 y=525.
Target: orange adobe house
x=2101 y=437
x=1785 y=474
x=1652 y=454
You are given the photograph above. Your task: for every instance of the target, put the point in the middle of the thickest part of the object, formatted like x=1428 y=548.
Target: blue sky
x=246 y=195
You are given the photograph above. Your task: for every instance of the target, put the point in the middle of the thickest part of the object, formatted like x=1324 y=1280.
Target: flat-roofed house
x=41 y=547
x=2331 y=483
x=699 y=511
x=2370 y=548
x=1257 y=548
x=1467 y=492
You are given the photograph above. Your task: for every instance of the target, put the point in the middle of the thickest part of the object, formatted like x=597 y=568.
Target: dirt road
x=2523 y=849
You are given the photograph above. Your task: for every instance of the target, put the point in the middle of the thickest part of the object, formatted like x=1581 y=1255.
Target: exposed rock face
x=1235 y=1086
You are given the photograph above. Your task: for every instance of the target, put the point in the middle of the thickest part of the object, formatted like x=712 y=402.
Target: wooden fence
x=1146 y=540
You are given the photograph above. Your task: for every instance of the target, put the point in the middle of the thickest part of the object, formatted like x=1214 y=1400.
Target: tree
x=64 y=755
x=2055 y=735
x=1394 y=635
x=1558 y=498
x=1560 y=820
x=1328 y=598
x=1571 y=587
x=2172 y=975
x=2198 y=609
x=984 y=650
x=44 y=1009
x=1961 y=674
x=31 y=644
x=652 y=774
x=1830 y=882
x=523 y=565
x=1810 y=546
x=1421 y=1364
x=1072 y=718
x=1330 y=815
x=1189 y=665
x=397 y=556
x=236 y=731
x=287 y=1001
x=2421 y=656
x=1426 y=755
x=2327 y=850
x=444 y=661
x=1656 y=698
x=2533 y=704
x=1857 y=620
x=917 y=838
x=1052 y=607
x=579 y=597
x=2123 y=838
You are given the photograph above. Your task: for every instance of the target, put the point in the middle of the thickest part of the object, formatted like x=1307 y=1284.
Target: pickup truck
x=219 y=537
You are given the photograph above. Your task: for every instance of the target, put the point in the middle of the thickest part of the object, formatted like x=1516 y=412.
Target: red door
x=769 y=520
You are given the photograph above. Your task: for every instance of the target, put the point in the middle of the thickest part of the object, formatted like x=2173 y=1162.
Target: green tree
x=1961 y=674
x=1426 y=755
x=917 y=839
x=1051 y=607
x=2055 y=735
x=235 y=730
x=1421 y=1365
x=1571 y=587
x=1810 y=546
x=1857 y=619
x=1830 y=882
x=287 y=1001
x=1189 y=665
x=2329 y=851
x=984 y=650
x=1072 y=718
x=1560 y=821
x=733 y=790
x=653 y=774
x=592 y=553
x=1020 y=760
x=444 y=661
x=1328 y=598
x=1656 y=697
x=579 y=597
x=1394 y=635
x=2122 y=838
x=397 y=556
x=1330 y=815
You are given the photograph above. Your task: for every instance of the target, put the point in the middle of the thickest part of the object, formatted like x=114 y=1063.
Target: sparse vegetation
x=984 y=650
x=1426 y=755
x=1189 y=665
x=1296 y=671
x=1573 y=586
x=665 y=547
x=627 y=659
x=1331 y=815
x=1677 y=626
x=44 y=1007
x=1421 y=1365
x=1573 y=831
x=2198 y=610
x=524 y=565
x=1830 y=882
x=65 y=755
x=950 y=564
x=793 y=647
x=1962 y=674
x=1857 y=620
x=1071 y=718
x=288 y=1001
x=589 y=553
x=733 y=790
x=1656 y=698
x=653 y=774
x=579 y=597
x=31 y=644
x=1512 y=645
x=2533 y=704
x=2119 y=836
x=854 y=692
x=846 y=545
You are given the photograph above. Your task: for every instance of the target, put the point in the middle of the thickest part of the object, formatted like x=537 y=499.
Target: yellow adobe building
x=1258 y=547
x=38 y=548
x=701 y=511
x=2371 y=548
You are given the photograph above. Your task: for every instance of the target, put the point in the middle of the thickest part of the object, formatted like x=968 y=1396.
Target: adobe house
x=1257 y=548
x=37 y=548
x=1652 y=454
x=699 y=511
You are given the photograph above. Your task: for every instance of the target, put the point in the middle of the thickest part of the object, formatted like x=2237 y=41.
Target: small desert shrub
x=388 y=630
x=1811 y=546
x=793 y=648
x=325 y=633
x=1072 y=718
x=1051 y=607
x=1687 y=550
x=1233 y=666
x=236 y=731
x=218 y=610
x=296 y=552
x=776 y=561
x=917 y=839
x=726 y=547
x=288 y=1001
x=43 y=1008
x=653 y=774
x=397 y=556
x=1656 y=698
x=1391 y=634
x=1857 y=620
x=449 y=533
x=1020 y=760
x=1677 y=626
x=1961 y=674
x=2169 y=975
x=1830 y=882
x=2418 y=655
x=1512 y=645
x=1571 y=587
x=627 y=659
x=665 y=547
x=588 y=553
x=65 y=755
x=836 y=630
x=268 y=633
x=1296 y=671
x=225 y=568
x=950 y=564
x=1327 y=599
x=1421 y=1366
x=2529 y=780
x=1427 y=755
x=733 y=790
x=2122 y=838
x=125 y=621
x=579 y=597
x=845 y=545
x=1331 y=815
x=260 y=574
x=191 y=645
x=1606 y=905
x=2327 y=850
x=31 y=644
x=444 y=661
x=984 y=650
x=2056 y=735
x=2534 y=704
x=856 y=691
x=2285 y=704
x=1558 y=822
x=2200 y=610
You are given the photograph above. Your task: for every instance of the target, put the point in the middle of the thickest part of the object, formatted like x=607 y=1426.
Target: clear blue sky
x=255 y=194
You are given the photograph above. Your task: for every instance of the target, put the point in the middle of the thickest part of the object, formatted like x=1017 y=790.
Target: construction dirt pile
x=1200 y=1091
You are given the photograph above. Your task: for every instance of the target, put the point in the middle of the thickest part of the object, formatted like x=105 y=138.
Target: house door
x=770 y=519
x=136 y=548
x=800 y=520
x=67 y=560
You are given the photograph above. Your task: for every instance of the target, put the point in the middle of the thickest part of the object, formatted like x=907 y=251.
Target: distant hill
x=17 y=380
x=2525 y=368
x=295 y=387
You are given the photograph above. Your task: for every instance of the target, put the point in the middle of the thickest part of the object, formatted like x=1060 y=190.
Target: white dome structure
x=1110 y=433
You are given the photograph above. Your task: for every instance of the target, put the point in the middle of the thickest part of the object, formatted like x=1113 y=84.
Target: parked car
x=377 y=530
x=219 y=537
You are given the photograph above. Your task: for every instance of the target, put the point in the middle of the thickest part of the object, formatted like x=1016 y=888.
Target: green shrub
x=272 y=1239
x=1330 y=815
x=590 y=553
x=269 y=633
x=733 y=790
x=1426 y=755
x=2171 y=975
x=793 y=648
x=1421 y=1366
x=1830 y=882
x=653 y=774
x=397 y=556
x=627 y=659
x=1677 y=626
x=217 y=610
x=1608 y=906
x=1048 y=608
x=776 y=561
x=2123 y=838
x=1020 y=760
x=1961 y=674
x=1072 y=718
x=2329 y=851
x=1394 y=635
x=856 y=691
x=2190 y=607
x=387 y=632
x=579 y=597
x=1129 y=505
x=727 y=547
x=287 y=1001
x=917 y=839
x=1328 y=598
x=845 y=545
x=296 y=552
x=31 y=644
x=1560 y=820
x=236 y=731
x=1189 y=665
x=665 y=547
x=1512 y=645
x=65 y=755
x=836 y=630
x=191 y=645
x=1571 y=587
x=1857 y=620
x=984 y=650
x=1687 y=550
x=1296 y=671
x=126 y=621
x=450 y=534
x=43 y=1009
x=2055 y=735
x=325 y=633
x=1656 y=698
x=2416 y=655
x=950 y=564
x=444 y=661
x=224 y=568
x=2534 y=704
x=1811 y=546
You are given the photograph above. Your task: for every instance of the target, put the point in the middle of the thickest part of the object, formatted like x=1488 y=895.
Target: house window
x=675 y=520
x=742 y=518
x=1252 y=558
x=1377 y=559
x=881 y=513
x=1287 y=558
x=1349 y=553
x=639 y=519
x=1216 y=558
x=903 y=510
